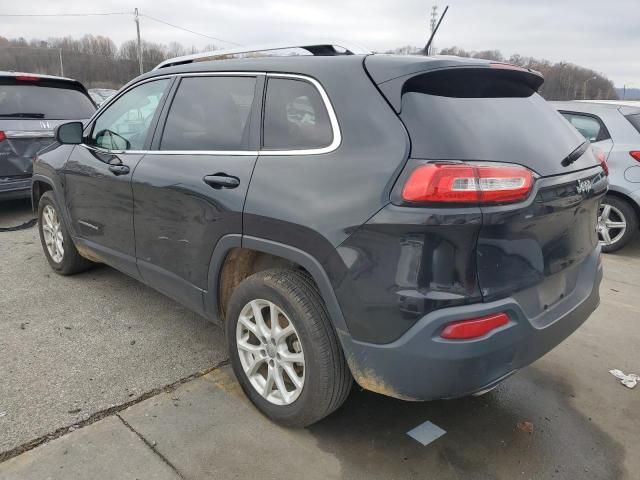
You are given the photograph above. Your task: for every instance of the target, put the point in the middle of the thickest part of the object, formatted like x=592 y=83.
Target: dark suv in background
x=31 y=106
x=423 y=225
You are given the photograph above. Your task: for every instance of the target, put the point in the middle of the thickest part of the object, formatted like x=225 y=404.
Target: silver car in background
x=614 y=128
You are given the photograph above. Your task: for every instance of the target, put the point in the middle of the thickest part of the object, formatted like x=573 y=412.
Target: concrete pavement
x=73 y=347
x=585 y=423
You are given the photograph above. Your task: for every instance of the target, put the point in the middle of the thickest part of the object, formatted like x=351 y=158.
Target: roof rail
x=315 y=48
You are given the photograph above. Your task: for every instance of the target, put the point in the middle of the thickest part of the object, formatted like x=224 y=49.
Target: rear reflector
x=602 y=158
x=3 y=137
x=468 y=183
x=475 y=327
x=27 y=78
x=635 y=154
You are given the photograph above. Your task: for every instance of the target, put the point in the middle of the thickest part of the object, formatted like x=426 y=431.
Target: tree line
x=97 y=62
x=562 y=80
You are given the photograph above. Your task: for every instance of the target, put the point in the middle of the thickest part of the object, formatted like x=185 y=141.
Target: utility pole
x=139 y=44
x=584 y=87
x=61 y=66
x=435 y=27
x=433 y=23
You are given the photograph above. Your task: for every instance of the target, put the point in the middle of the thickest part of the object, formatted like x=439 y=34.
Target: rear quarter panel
x=315 y=202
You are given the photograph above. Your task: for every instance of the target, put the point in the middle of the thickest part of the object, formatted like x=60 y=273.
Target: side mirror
x=69 y=133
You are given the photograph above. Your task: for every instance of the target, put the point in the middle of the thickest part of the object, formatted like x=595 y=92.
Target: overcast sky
x=604 y=36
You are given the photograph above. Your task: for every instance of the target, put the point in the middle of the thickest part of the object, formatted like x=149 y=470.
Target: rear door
x=487 y=115
x=189 y=190
x=98 y=173
x=30 y=108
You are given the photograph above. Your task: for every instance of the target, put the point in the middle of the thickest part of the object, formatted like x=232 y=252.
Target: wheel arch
x=39 y=185
x=258 y=253
x=624 y=197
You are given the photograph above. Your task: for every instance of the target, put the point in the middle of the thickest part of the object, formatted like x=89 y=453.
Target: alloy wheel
x=52 y=231
x=270 y=352
x=611 y=224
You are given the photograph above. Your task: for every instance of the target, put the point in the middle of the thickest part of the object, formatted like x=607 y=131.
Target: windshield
x=466 y=115
x=31 y=101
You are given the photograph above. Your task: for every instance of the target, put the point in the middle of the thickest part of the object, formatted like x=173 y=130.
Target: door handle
x=119 y=169
x=221 y=180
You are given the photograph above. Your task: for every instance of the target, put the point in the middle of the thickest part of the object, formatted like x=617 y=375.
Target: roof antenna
x=433 y=32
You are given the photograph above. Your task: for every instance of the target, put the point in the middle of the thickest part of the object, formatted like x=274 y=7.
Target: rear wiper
x=575 y=155
x=23 y=115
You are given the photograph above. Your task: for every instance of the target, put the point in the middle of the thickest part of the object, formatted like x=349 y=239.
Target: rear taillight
x=602 y=158
x=468 y=183
x=635 y=154
x=27 y=78
x=3 y=137
x=474 y=327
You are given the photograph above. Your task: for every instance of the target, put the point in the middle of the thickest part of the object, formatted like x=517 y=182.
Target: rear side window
x=295 y=116
x=635 y=120
x=589 y=126
x=32 y=101
x=487 y=115
x=210 y=113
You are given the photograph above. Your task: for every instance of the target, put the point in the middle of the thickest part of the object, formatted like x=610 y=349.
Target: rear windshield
x=30 y=101
x=483 y=115
x=635 y=120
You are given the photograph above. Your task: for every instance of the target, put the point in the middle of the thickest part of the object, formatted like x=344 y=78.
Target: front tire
x=617 y=223
x=61 y=253
x=283 y=348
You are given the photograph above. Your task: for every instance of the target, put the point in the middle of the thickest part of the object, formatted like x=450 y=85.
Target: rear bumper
x=15 y=188
x=421 y=365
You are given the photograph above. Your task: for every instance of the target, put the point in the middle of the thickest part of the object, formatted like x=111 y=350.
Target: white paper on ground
x=426 y=432
x=629 y=381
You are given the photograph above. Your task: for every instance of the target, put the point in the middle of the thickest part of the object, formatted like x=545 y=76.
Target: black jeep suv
x=423 y=225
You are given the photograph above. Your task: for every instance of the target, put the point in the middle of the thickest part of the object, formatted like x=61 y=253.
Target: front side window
x=124 y=125
x=209 y=114
x=588 y=126
x=295 y=116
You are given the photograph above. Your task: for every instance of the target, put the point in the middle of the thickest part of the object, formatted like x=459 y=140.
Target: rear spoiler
x=442 y=75
x=43 y=81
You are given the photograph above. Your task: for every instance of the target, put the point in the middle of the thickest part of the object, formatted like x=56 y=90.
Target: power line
x=117 y=13
x=188 y=30
x=62 y=14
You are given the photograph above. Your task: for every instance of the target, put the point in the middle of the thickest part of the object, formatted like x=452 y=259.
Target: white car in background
x=614 y=128
x=101 y=95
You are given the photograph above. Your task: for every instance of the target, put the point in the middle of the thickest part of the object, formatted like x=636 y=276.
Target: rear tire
x=61 y=253
x=324 y=380
x=617 y=223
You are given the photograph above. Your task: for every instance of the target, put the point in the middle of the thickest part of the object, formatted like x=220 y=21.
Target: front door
x=98 y=175
x=189 y=190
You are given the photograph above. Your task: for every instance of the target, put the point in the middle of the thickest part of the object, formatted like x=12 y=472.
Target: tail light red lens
x=3 y=137
x=475 y=327
x=468 y=183
x=635 y=154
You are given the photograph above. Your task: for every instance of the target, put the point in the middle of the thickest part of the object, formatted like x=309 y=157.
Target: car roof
x=594 y=106
x=381 y=67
